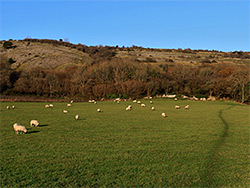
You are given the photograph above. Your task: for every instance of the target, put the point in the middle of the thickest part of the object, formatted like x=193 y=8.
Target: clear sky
x=198 y=24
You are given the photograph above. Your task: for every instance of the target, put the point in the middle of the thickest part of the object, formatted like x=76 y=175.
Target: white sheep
x=187 y=107
x=138 y=102
x=175 y=99
x=13 y=107
x=17 y=127
x=128 y=108
x=46 y=106
x=34 y=122
x=118 y=102
x=177 y=107
x=71 y=101
x=65 y=111
x=153 y=108
x=134 y=101
x=150 y=98
x=77 y=117
x=151 y=102
x=51 y=105
x=143 y=105
x=163 y=114
x=8 y=107
x=68 y=105
x=98 y=110
x=95 y=102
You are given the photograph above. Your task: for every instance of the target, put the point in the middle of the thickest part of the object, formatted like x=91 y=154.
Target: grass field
x=205 y=146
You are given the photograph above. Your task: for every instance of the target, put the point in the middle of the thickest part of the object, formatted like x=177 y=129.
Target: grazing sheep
x=34 y=122
x=150 y=98
x=163 y=115
x=65 y=111
x=8 y=107
x=71 y=101
x=129 y=107
x=77 y=117
x=95 y=102
x=51 y=105
x=175 y=99
x=13 y=107
x=138 y=102
x=118 y=102
x=46 y=106
x=68 y=105
x=153 y=108
x=143 y=105
x=177 y=107
x=151 y=102
x=187 y=107
x=134 y=101
x=17 y=127
x=98 y=110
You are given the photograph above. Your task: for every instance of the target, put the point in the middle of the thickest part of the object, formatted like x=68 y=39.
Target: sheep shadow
x=31 y=132
x=45 y=125
x=81 y=119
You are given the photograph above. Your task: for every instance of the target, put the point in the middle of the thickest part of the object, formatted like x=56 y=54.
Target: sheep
x=163 y=115
x=77 y=117
x=8 y=107
x=134 y=101
x=13 y=107
x=98 y=110
x=128 y=108
x=95 y=102
x=177 y=107
x=150 y=98
x=153 y=108
x=175 y=99
x=65 y=111
x=138 y=102
x=151 y=102
x=118 y=102
x=51 y=105
x=71 y=101
x=187 y=107
x=34 y=122
x=143 y=105
x=17 y=127
x=46 y=106
x=68 y=105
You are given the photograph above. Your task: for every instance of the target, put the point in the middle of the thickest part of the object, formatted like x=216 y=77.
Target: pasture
x=205 y=146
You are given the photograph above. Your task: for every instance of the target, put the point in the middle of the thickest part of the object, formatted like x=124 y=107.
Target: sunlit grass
x=117 y=148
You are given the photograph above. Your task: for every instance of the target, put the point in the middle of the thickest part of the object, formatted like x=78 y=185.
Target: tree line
x=128 y=79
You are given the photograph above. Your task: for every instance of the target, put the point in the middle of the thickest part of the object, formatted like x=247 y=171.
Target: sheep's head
x=25 y=131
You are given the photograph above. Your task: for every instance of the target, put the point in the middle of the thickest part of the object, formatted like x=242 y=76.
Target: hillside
x=28 y=55
x=57 y=69
x=51 y=54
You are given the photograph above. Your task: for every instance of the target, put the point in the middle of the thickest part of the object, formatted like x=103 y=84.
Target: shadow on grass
x=81 y=119
x=45 y=125
x=31 y=132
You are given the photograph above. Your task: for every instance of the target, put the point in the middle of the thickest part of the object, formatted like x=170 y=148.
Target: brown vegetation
x=106 y=75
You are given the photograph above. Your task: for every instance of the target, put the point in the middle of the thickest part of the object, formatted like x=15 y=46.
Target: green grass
x=205 y=146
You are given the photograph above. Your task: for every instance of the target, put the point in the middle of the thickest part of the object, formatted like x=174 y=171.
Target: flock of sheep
x=129 y=107
x=22 y=129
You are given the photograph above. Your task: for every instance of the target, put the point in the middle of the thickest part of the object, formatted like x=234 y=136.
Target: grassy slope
x=44 y=55
x=126 y=148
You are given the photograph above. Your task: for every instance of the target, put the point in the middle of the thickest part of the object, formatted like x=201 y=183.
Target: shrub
x=7 y=44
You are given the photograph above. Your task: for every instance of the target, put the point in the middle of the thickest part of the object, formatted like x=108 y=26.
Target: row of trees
x=123 y=78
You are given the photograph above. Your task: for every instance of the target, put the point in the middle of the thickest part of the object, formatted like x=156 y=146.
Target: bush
x=7 y=44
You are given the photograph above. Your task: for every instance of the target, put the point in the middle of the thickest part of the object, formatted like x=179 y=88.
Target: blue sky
x=219 y=25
